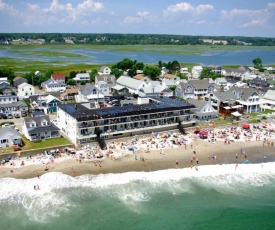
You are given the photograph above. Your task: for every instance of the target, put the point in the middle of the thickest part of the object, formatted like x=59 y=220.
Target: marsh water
x=240 y=56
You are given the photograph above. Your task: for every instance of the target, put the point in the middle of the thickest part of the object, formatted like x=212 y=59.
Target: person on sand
x=99 y=163
x=196 y=167
x=95 y=163
x=38 y=176
x=177 y=163
x=264 y=158
x=47 y=168
x=135 y=157
x=197 y=160
x=72 y=168
x=236 y=166
x=236 y=156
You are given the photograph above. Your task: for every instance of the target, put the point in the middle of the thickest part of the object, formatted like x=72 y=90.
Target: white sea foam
x=57 y=190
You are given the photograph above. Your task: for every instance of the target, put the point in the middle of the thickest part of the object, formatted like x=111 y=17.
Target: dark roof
x=225 y=96
x=38 y=120
x=82 y=113
x=200 y=84
x=44 y=129
x=198 y=103
x=86 y=89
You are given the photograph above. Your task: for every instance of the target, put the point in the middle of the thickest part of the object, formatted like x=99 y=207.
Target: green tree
x=208 y=73
x=82 y=83
x=257 y=62
x=182 y=76
x=151 y=71
x=8 y=73
x=93 y=73
x=71 y=82
x=116 y=72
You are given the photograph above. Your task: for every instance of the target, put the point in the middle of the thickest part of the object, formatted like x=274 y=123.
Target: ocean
x=212 y=197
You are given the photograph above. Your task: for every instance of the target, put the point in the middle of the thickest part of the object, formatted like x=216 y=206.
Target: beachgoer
x=236 y=166
x=95 y=163
x=38 y=176
x=99 y=163
x=236 y=156
x=265 y=158
x=191 y=146
x=72 y=168
x=196 y=167
x=11 y=170
x=47 y=168
x=135 y=157
x=177 y=163
x=37 y=186
x=197 y=160
x=34 y=187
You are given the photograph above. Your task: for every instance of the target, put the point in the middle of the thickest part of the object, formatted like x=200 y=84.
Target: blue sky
x=193 y=17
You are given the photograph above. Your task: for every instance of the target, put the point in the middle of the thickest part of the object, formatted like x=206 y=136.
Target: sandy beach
x=206 y=153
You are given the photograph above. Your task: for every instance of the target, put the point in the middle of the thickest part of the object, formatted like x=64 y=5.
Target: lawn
x=40 y=145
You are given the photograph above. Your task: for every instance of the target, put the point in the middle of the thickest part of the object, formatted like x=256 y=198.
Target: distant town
x=131 y=39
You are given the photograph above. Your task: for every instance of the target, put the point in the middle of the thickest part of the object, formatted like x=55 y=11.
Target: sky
x=187 y=17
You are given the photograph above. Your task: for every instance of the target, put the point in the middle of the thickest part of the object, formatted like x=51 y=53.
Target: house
x=89 y=93
x=142 y=78
x=4 y=79
x=169 y=80
x=104 y=70
x=83 y=124
x=19 y=80
x=221 y=81
x=109 y=79
x=163 y=71
x=58 y=77
x=39 y=128
x=236 y=74
x=269 y=100
x=133 y=85
x=46 y=102
x=194 y=89
x=248 y=98
x=259 y=84
x=25 y=90
x=196 y=71
x=224 y=102
x=82 y=77
x=157 y=91
x=69 y=94
x=215 y=68
x=6 y=88
x=184 y=70
x=205 y=110
x=14 y=107
x=6 y=99
x=9 y=137
x=55 y=84
x=103 y=87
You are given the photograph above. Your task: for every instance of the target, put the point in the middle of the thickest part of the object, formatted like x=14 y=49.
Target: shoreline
x=154 y=160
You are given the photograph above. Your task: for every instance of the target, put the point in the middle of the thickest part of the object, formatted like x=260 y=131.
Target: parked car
x=8 y=125
x=4 y=116
x=10 y=116
x=17 y=115
x=129 y=98
x=23 y=113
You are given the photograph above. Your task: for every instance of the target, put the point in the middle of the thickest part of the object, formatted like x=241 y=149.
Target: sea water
x=211 y=197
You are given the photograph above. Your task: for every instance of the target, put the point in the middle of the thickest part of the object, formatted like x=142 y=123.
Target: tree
x=151 y=71
x=182 y=76
x=93 y=73
x=8 y=73
x=82 y=83
x=257 y=63
x=71 y=82
x=116 y=72
x=208 y=73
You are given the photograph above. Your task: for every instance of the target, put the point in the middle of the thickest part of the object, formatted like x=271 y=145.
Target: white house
x=39 y=128
x=103 y=87
x=6 y=99
x=104 y=70
x=55 y=84
x=221 y=81
x=205 y=110
x=196 y=71
x=9 y=137
x=89 y=93
x=25 y=90
x=131 y=84
x=269 y=100
x=82 y=77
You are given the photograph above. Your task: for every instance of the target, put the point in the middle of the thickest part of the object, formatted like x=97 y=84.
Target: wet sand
x=226 y=154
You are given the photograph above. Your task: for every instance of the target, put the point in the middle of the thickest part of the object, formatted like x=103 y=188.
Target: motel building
x=83 y=123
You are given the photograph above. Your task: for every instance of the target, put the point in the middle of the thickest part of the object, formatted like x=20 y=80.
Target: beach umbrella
x=203 y=133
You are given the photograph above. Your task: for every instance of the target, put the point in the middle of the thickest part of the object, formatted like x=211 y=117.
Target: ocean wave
x=58 y=192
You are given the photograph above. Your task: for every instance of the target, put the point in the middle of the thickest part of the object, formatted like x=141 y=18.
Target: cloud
x=62 y=13
x=8 y=8
x=187 y=7
x=141 y=17
x=247 y=17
